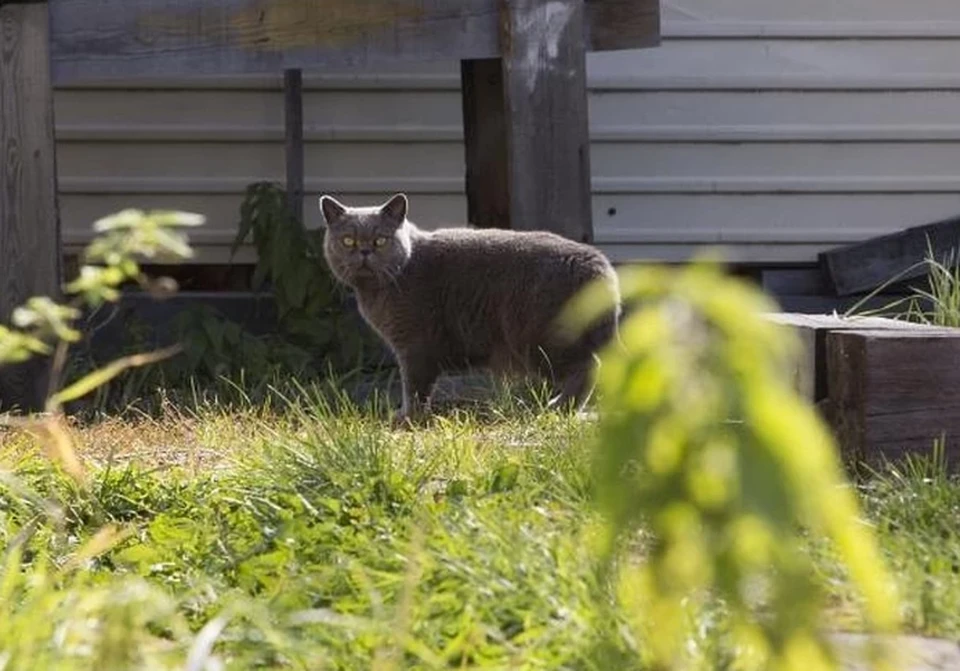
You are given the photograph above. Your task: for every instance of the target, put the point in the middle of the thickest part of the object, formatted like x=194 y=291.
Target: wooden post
x=548 y=136
x=293 y=109
x=525 y=121
x=485 y=143
x=30 y=251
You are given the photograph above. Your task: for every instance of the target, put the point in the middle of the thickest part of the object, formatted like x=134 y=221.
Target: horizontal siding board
x=920 y=166
x=812 y=30
x=876 y=164
x=718 y=64
x=678 y=64
x=834 y=218
x=454 y=185
x=779 y=111
x=823 y=11
x=794 y=133
x=253 y=108
x=121 y=163
x=619 y=218
x=615 y=116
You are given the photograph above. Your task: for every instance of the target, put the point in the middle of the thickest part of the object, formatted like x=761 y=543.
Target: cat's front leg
x=418 y=373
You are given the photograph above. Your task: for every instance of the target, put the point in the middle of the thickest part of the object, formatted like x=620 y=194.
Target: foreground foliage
x=707 y=447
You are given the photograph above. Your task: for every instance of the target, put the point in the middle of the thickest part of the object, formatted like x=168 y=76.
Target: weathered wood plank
x=30 y=256
x=893 y=393
x=864 y=267
x=811 y=375
x=622 y=24
x=293 y=127
x=124 y=38
x=794 y=281
x=545 y=96
x=485 y=143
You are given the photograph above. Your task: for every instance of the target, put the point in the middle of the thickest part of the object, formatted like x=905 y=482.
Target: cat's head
x=364 y=244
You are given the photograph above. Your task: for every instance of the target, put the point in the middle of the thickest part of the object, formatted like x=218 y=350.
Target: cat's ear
x=332 y=209
x=396 y=208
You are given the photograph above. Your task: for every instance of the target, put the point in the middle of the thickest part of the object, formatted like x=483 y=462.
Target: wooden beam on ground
x=30 y=252
x=134 y=38
x=545 y=99
x=894 y=393
x=865 y=266
x=807 y=291
x=293 y=124
x=810 y=377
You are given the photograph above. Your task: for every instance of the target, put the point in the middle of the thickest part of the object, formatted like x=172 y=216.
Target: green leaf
x=173 y=244
x=215 y=332
x=100 y=377
x=176 y=219
x=125 y=219
x=245 y=225
x=259 y=275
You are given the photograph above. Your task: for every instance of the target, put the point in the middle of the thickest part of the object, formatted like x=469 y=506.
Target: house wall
x=773 y=128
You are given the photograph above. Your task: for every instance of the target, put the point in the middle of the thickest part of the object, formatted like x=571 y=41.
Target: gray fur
x=458 y=298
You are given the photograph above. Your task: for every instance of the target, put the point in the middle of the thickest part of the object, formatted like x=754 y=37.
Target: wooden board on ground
x=806 y=290
x=810 y=376
x=866 y=266
x=29 y=222
x=894 y=392
x=129 y=38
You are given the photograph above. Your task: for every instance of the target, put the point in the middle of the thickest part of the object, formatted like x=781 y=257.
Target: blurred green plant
x=44 y=327
x=707 y=449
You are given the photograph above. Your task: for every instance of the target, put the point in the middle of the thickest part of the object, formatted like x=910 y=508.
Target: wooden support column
x=293 y=111
x=526 y=126
x=485 y=141
x=30 y=250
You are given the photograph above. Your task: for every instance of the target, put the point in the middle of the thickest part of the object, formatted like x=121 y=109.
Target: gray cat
x=458 y=298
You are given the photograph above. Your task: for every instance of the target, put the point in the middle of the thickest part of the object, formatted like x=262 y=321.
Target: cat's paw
x=401 y=422
x=408 y=422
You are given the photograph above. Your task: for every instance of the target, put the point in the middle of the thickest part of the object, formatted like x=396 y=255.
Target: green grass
x=311 y=537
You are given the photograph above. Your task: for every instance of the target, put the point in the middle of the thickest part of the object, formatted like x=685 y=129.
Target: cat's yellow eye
x=380 y=242
x=348 y=241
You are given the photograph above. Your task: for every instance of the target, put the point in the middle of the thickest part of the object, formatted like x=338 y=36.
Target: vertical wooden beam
x=293 y=109
x=30 y=249
x=545 y=97
x=485 y=140
x=525 y=123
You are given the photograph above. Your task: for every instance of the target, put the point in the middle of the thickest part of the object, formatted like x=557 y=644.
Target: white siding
x=774 y=128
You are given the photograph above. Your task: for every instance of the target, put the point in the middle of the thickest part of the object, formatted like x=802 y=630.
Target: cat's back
x=506 y=254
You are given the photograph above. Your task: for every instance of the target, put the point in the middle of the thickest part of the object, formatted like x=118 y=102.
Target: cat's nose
x=365 y=252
